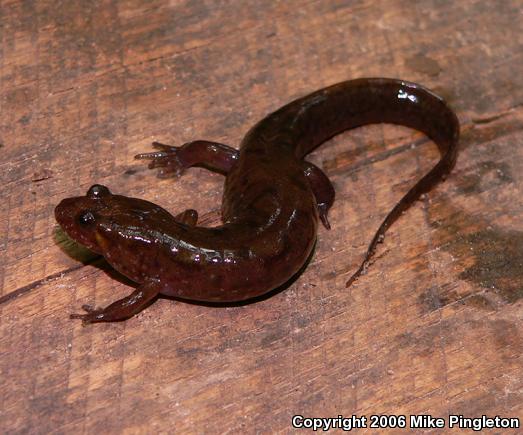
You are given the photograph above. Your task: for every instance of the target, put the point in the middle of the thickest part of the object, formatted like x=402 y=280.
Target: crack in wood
x=35 y=284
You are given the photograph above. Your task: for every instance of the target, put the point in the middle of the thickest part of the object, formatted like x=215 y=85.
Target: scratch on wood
x=35 y=284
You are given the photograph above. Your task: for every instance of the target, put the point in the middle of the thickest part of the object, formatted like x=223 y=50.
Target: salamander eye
x=97 y=191
x=86 y=218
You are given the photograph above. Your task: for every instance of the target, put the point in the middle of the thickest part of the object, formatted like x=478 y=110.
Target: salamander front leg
x=173 y=160
x=123 y=308
x=322 y=189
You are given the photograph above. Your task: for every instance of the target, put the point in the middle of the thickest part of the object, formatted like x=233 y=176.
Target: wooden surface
x=434 y=328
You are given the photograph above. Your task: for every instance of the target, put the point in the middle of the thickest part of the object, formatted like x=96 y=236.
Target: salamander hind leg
x=172 y=160
x=188 y=217
x=123 y=308
x=322 y=188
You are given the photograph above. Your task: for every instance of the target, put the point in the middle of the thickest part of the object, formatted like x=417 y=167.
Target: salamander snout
x=78 y=217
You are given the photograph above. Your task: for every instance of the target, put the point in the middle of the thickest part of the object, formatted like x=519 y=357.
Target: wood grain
x=435 y=327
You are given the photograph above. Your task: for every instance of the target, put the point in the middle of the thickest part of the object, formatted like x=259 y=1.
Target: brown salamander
x=272 y=202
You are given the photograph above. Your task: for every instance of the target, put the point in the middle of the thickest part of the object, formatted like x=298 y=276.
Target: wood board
x=433 y=328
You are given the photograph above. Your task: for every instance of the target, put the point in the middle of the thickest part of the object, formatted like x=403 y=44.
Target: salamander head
x=99 y=218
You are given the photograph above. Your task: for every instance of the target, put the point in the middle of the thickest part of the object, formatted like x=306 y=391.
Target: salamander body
x=272 y=204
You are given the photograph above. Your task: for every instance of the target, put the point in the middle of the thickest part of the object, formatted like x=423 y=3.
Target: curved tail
x=313 y=119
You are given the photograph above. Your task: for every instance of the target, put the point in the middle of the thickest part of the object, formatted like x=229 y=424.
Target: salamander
x=273 y=200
